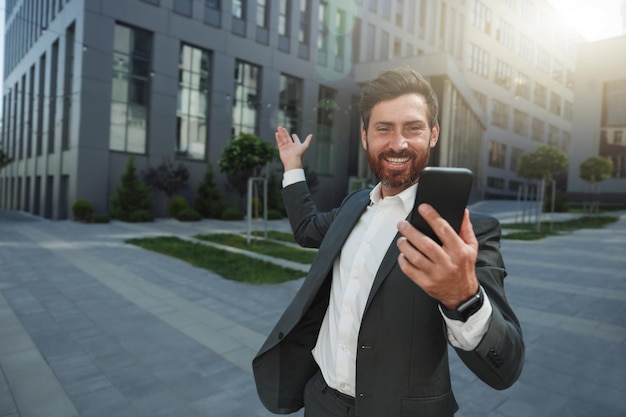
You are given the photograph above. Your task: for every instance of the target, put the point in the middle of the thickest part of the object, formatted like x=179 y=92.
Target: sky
x=594 y=19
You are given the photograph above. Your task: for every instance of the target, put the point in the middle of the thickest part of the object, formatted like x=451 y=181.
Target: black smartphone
x=447 y=190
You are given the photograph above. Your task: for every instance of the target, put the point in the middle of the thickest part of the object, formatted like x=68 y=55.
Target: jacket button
x=281 y=335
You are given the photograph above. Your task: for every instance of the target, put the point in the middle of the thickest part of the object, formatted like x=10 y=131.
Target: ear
x=363 y=137
x=434 y=135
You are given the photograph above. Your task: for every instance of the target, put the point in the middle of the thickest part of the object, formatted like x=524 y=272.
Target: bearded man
x=366 y=335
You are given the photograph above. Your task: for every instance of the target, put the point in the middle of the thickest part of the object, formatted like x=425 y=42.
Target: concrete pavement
x=93 y=327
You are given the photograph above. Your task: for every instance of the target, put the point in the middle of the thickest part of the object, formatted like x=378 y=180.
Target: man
x=367 y=333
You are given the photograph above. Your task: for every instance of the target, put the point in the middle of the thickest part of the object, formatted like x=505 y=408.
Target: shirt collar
x=407 y=196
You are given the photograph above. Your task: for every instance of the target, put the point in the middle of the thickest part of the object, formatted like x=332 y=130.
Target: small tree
x=132 y=199
x=168 y=177
x=209 y=201
x=244 y=157
x=595 y=169
x=542 y=164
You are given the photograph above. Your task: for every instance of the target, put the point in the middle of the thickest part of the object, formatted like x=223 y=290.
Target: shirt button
x=347 y=311
x=344 y=348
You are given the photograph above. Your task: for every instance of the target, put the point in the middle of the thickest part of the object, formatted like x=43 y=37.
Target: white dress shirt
x=353 y=275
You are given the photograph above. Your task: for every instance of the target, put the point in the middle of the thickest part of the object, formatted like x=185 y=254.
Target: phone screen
x=447 y=190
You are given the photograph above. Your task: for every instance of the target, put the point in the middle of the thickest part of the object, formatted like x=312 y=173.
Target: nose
x=398 y=142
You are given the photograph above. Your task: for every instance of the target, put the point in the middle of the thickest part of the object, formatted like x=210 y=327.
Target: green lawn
x=264 y=247
x=526 y=231
x=229 y=265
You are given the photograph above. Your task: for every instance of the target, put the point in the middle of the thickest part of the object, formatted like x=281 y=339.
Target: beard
x=394 y=178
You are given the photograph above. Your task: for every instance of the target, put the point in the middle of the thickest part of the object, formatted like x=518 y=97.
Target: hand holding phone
x=447 y=191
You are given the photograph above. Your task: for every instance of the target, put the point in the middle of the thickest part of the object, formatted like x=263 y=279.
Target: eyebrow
x=408 y=123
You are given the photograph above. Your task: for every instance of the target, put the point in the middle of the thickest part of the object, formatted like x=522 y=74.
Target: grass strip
x=264 y=247
x=527 y=231
x=232 y=266
x=276 y=235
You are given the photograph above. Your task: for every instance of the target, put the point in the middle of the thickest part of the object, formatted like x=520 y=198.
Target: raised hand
x=290 y=148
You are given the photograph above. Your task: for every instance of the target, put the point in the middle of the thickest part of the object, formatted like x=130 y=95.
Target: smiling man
x=367 y=333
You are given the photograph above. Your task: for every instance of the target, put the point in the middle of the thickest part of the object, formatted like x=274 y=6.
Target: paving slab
x=91 y=326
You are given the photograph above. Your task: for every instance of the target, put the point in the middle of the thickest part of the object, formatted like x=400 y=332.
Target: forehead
x=404 y=107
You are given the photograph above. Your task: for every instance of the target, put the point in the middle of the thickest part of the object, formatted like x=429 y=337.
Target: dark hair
x=395 y=83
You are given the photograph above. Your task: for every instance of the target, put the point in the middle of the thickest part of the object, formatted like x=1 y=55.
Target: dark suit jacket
x=402 y=360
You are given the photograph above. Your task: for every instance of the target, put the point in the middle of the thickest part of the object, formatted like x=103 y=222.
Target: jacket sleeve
x=499 y=357
x=308 y=225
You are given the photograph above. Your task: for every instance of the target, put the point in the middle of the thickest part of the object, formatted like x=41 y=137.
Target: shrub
x=232 y=213
x=140 y=216
x=208 y=197
x=100 y=218
x=131 y=195
x=188 y=215
x=168 y=177
x=176 y=205
x=82 y=210
x=273 y=214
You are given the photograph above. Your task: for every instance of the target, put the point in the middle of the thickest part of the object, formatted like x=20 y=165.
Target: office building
x=89 y=83
x=599 y=127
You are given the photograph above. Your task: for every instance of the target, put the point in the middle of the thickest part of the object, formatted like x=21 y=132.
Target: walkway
x=93 y=327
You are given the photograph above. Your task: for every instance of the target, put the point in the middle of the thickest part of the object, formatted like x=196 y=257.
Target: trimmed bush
x=273 y=214
x=100 y=218
x=189 y=215
x=209 y=200
x=82 y=210
x=131 y=196
x=232 y=213
x=139 y=216
x=176 y=205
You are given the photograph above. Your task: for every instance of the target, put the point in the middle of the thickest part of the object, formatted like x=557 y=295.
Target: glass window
x=193 y=95
x=520 y=122
x=555 y=104
x=522 y=85
x=130 y=89
x=482 y=17
x=479 y=61
x=283 y=18
x=326 y=107
x=303 y=33
x=497 y=154
x=246 y=98
x=541 y=95
x=261 y=13
x=503 y=73
x=554 y=136
x=290 y=102
x=539 y=130
x=322 y=36
x=238 y=9
x=500 y=114
x=614 y=104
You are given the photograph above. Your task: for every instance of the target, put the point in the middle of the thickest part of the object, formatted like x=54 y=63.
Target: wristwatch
x=467 y=307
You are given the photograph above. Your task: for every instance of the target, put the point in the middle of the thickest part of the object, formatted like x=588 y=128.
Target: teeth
x=397 y=160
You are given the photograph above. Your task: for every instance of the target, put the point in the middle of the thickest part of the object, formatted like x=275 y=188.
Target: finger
x=413 y=255
x=440 y=226
x=467 y=231
x=307 y=140
x=282 y=135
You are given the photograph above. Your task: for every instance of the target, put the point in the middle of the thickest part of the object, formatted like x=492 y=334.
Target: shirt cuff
x=467 y=335
x=293 y=176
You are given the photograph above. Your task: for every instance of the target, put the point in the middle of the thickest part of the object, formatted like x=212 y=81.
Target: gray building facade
x=89 y=83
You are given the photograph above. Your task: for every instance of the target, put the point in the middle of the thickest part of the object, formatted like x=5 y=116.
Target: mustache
x=402 y=154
